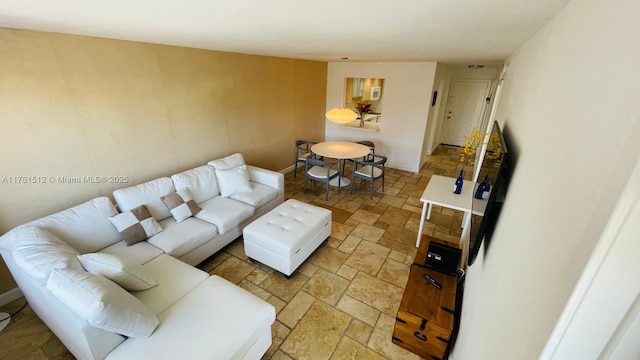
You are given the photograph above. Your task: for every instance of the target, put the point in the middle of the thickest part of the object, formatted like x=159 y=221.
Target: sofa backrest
x=147 y=194
x=84 y=227
x=200 y=182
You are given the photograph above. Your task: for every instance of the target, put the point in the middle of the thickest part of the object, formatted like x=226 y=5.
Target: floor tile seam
x=388 y=282
x=362 y=303
x=294 y=295
x=403 y=225
x=254 y=283
x=372 y=331
x=356 y=340
x=299 y=321
x=303 y=314
x=344 y=333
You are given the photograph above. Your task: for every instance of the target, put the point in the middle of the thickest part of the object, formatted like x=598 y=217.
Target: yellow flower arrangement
x=494 y=150
x=468 y=156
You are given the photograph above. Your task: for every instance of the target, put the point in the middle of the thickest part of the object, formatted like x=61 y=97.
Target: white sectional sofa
x=107 y=297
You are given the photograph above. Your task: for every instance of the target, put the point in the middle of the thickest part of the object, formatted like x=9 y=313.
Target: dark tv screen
x=485 y=212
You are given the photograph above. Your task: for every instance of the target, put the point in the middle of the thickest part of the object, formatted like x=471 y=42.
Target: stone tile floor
x=342 y=302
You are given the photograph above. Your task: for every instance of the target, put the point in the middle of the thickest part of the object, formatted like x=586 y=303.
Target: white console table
x=439 y=191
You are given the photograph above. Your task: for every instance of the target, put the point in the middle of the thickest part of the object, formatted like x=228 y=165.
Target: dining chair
x=370 y=144
x=370 y=169
x=303 y=150
x=320 y=170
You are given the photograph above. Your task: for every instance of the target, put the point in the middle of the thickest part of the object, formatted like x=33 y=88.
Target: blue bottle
x=482 y=188
x=458 y=188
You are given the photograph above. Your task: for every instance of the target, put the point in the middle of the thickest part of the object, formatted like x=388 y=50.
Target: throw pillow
x=228 y=162
x=130 y=276
x=136 y=225
x=234 y=180
x=102 y=303
x=38 y=252
x=181 y=205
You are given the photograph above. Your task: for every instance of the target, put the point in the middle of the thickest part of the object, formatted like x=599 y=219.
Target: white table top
x=439 y=191
x=340 y=149
x=479 y=205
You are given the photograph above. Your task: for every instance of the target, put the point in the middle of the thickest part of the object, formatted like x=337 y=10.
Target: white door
x=465 y=107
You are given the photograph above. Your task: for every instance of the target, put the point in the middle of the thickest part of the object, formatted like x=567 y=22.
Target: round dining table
x=340 y=150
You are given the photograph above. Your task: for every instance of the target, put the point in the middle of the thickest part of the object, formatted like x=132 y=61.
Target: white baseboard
x=287 y=169
x=9 y=296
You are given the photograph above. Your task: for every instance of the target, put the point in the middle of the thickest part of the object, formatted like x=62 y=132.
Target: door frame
x=484 y=105
x=437 y=114
x=585 y=305
x=488 y=120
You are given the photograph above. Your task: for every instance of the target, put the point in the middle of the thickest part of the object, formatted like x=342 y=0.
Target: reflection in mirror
x=486 y=207
x=364 y=96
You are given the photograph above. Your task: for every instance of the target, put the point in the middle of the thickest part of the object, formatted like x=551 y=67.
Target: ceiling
x=373 y=30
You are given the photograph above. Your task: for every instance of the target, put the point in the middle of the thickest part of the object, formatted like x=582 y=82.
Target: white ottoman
x=285 y=237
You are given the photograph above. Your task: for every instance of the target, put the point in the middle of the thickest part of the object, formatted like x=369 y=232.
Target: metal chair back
x=320 y=170
x=370 y=169
x=302 y=151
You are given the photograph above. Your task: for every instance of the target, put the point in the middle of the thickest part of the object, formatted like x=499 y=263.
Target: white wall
x=434 y=123
x=488 y=72
x=406 y=102
x=570 y=106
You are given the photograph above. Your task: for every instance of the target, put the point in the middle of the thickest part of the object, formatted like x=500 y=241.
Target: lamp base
x=5 y=322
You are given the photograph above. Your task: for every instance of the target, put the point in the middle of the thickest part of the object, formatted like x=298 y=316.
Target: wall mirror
x=359 y=92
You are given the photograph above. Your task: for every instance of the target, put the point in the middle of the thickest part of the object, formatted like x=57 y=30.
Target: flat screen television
x=485 y=212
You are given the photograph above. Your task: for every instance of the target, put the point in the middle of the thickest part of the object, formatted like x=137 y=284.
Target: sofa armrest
x=267 y=177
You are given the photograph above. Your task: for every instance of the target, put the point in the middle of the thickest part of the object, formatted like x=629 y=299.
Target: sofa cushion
x=176 y=279
x=233 y=180
x=139 y=253
x=230 y=323
x=228 y=162
x=225 y=213
x=260 y=195
x=178 y=239
x=180 y=204
x=136 y=225
x=38 y=252
x=102 y=303
x=130 y=276
x=84 y=227
x=200 y=181
x=148 y=194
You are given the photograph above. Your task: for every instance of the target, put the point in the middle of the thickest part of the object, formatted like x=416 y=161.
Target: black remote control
x=432 y=281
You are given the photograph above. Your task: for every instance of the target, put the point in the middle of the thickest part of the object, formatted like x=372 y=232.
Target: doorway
x=465 y=108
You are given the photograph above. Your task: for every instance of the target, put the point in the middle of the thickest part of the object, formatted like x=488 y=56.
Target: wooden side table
x=426 y=317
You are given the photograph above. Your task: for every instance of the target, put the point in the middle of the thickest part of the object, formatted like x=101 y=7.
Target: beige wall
x=82 y=106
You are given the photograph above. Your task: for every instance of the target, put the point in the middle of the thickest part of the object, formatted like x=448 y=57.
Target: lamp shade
x=341 y=115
